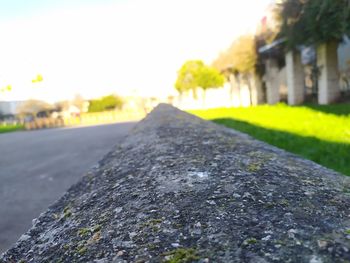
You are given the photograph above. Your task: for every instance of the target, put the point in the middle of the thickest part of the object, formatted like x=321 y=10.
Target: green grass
x=10 y=128
x=318 y=133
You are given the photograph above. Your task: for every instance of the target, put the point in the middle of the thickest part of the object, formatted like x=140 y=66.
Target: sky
x=98 y=47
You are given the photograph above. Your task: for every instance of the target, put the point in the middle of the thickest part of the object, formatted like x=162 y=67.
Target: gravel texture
x=180 y=189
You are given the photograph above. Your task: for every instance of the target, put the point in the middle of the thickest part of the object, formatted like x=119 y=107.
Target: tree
x=187 y=76
x=106 y=103
x=79 y=102
x=209 y=77
x=313 y=22
x=240 y=56
x=195 y=74
x=239 y=61
x=38 y=78
x=62 y=105
x=33 y=107
x=6 y=89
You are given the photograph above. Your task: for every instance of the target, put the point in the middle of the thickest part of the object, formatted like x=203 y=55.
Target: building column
x=272 y=81
x=234 y=91
x=295 y=78
x=256 y=89
x=328 y=82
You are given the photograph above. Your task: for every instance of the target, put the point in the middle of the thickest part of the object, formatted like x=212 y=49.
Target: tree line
x=298 y=22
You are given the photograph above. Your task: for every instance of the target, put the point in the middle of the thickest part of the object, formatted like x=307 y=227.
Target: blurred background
x=277 y=70
x=64 y=58
x=87 y=62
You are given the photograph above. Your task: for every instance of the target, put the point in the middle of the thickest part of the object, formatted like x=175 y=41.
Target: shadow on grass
x=330 y=154
x=336 y=109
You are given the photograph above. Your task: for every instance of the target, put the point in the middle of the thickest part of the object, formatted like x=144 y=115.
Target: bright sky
x=98 y=47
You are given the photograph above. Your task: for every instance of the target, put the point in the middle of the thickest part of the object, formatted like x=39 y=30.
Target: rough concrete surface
x=180 y=189
x=37 y=167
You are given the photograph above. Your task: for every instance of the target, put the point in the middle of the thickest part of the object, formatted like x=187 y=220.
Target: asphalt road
x=37 y=167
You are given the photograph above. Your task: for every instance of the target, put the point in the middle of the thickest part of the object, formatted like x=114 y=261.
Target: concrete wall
x=180 y=189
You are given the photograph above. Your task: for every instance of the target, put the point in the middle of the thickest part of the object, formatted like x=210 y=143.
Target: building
x=307 y=74
x=9 y=107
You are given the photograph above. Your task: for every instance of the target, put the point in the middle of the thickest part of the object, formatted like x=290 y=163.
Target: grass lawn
x=10 y=128
x=318 y=133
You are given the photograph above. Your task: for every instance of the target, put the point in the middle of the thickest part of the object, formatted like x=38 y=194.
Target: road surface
x=36 y=167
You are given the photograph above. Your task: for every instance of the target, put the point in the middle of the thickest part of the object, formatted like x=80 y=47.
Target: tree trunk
x=248 y=79
x=203 y=97
x=238 y=82
x=231 y=79
x=194 y=92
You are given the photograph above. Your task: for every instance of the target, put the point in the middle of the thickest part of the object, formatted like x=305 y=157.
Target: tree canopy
x=79 y=102
x=187 y=76
x=195 y=74
x=38 y=78
x=33 y=107
x=209 y=77
x=6 y=88
x=313 y=21
x=241 y=56
x=106 y=103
